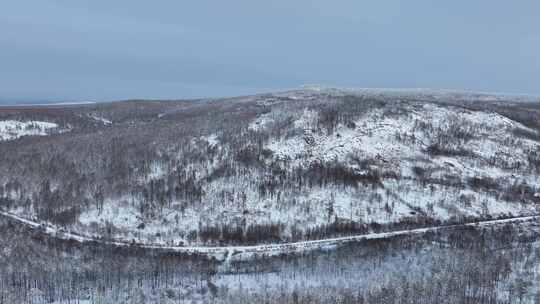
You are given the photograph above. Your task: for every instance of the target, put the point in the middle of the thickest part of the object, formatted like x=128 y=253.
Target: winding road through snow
x=242 y=252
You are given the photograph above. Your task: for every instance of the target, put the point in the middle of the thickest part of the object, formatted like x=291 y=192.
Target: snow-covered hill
x=287 y=166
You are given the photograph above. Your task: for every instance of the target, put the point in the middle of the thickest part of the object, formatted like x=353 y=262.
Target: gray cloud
x=103 y=50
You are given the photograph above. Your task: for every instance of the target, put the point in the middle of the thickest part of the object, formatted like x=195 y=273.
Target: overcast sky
x=105 y=50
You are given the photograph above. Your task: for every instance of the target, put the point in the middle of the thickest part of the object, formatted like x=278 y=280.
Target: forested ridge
x=273 y=167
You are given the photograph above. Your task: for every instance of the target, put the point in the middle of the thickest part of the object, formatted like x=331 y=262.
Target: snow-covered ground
x=374 y=135
x=288 y=136
x=100 y=119
x=248 y=252
x=13 y=129
x=388 y=142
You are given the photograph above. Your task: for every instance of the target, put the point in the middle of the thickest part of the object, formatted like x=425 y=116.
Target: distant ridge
x=425 y=92
x=415 y=93
x=46 y=104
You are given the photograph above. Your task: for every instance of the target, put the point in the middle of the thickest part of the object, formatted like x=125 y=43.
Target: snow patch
x=100 y=119
x=13 y=129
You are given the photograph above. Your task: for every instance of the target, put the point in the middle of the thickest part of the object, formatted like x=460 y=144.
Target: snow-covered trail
x=245 y=252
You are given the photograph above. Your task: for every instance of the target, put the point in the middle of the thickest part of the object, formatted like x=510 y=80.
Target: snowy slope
x=12 y=129
x=294 y=165
x=248 y=252
x=376 y=136
x=390 y=143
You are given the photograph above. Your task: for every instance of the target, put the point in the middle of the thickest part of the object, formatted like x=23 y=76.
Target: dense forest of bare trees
x=467 y=265
x=212 y=166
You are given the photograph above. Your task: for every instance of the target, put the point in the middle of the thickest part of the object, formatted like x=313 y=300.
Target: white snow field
x=13 y=129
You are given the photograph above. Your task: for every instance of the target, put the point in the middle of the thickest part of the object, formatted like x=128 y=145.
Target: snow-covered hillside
x=287 y=166
x=396 y=144
x=12 y=129
x=398 y=141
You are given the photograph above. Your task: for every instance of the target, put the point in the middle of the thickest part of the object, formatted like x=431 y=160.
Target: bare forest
x=266 y=169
